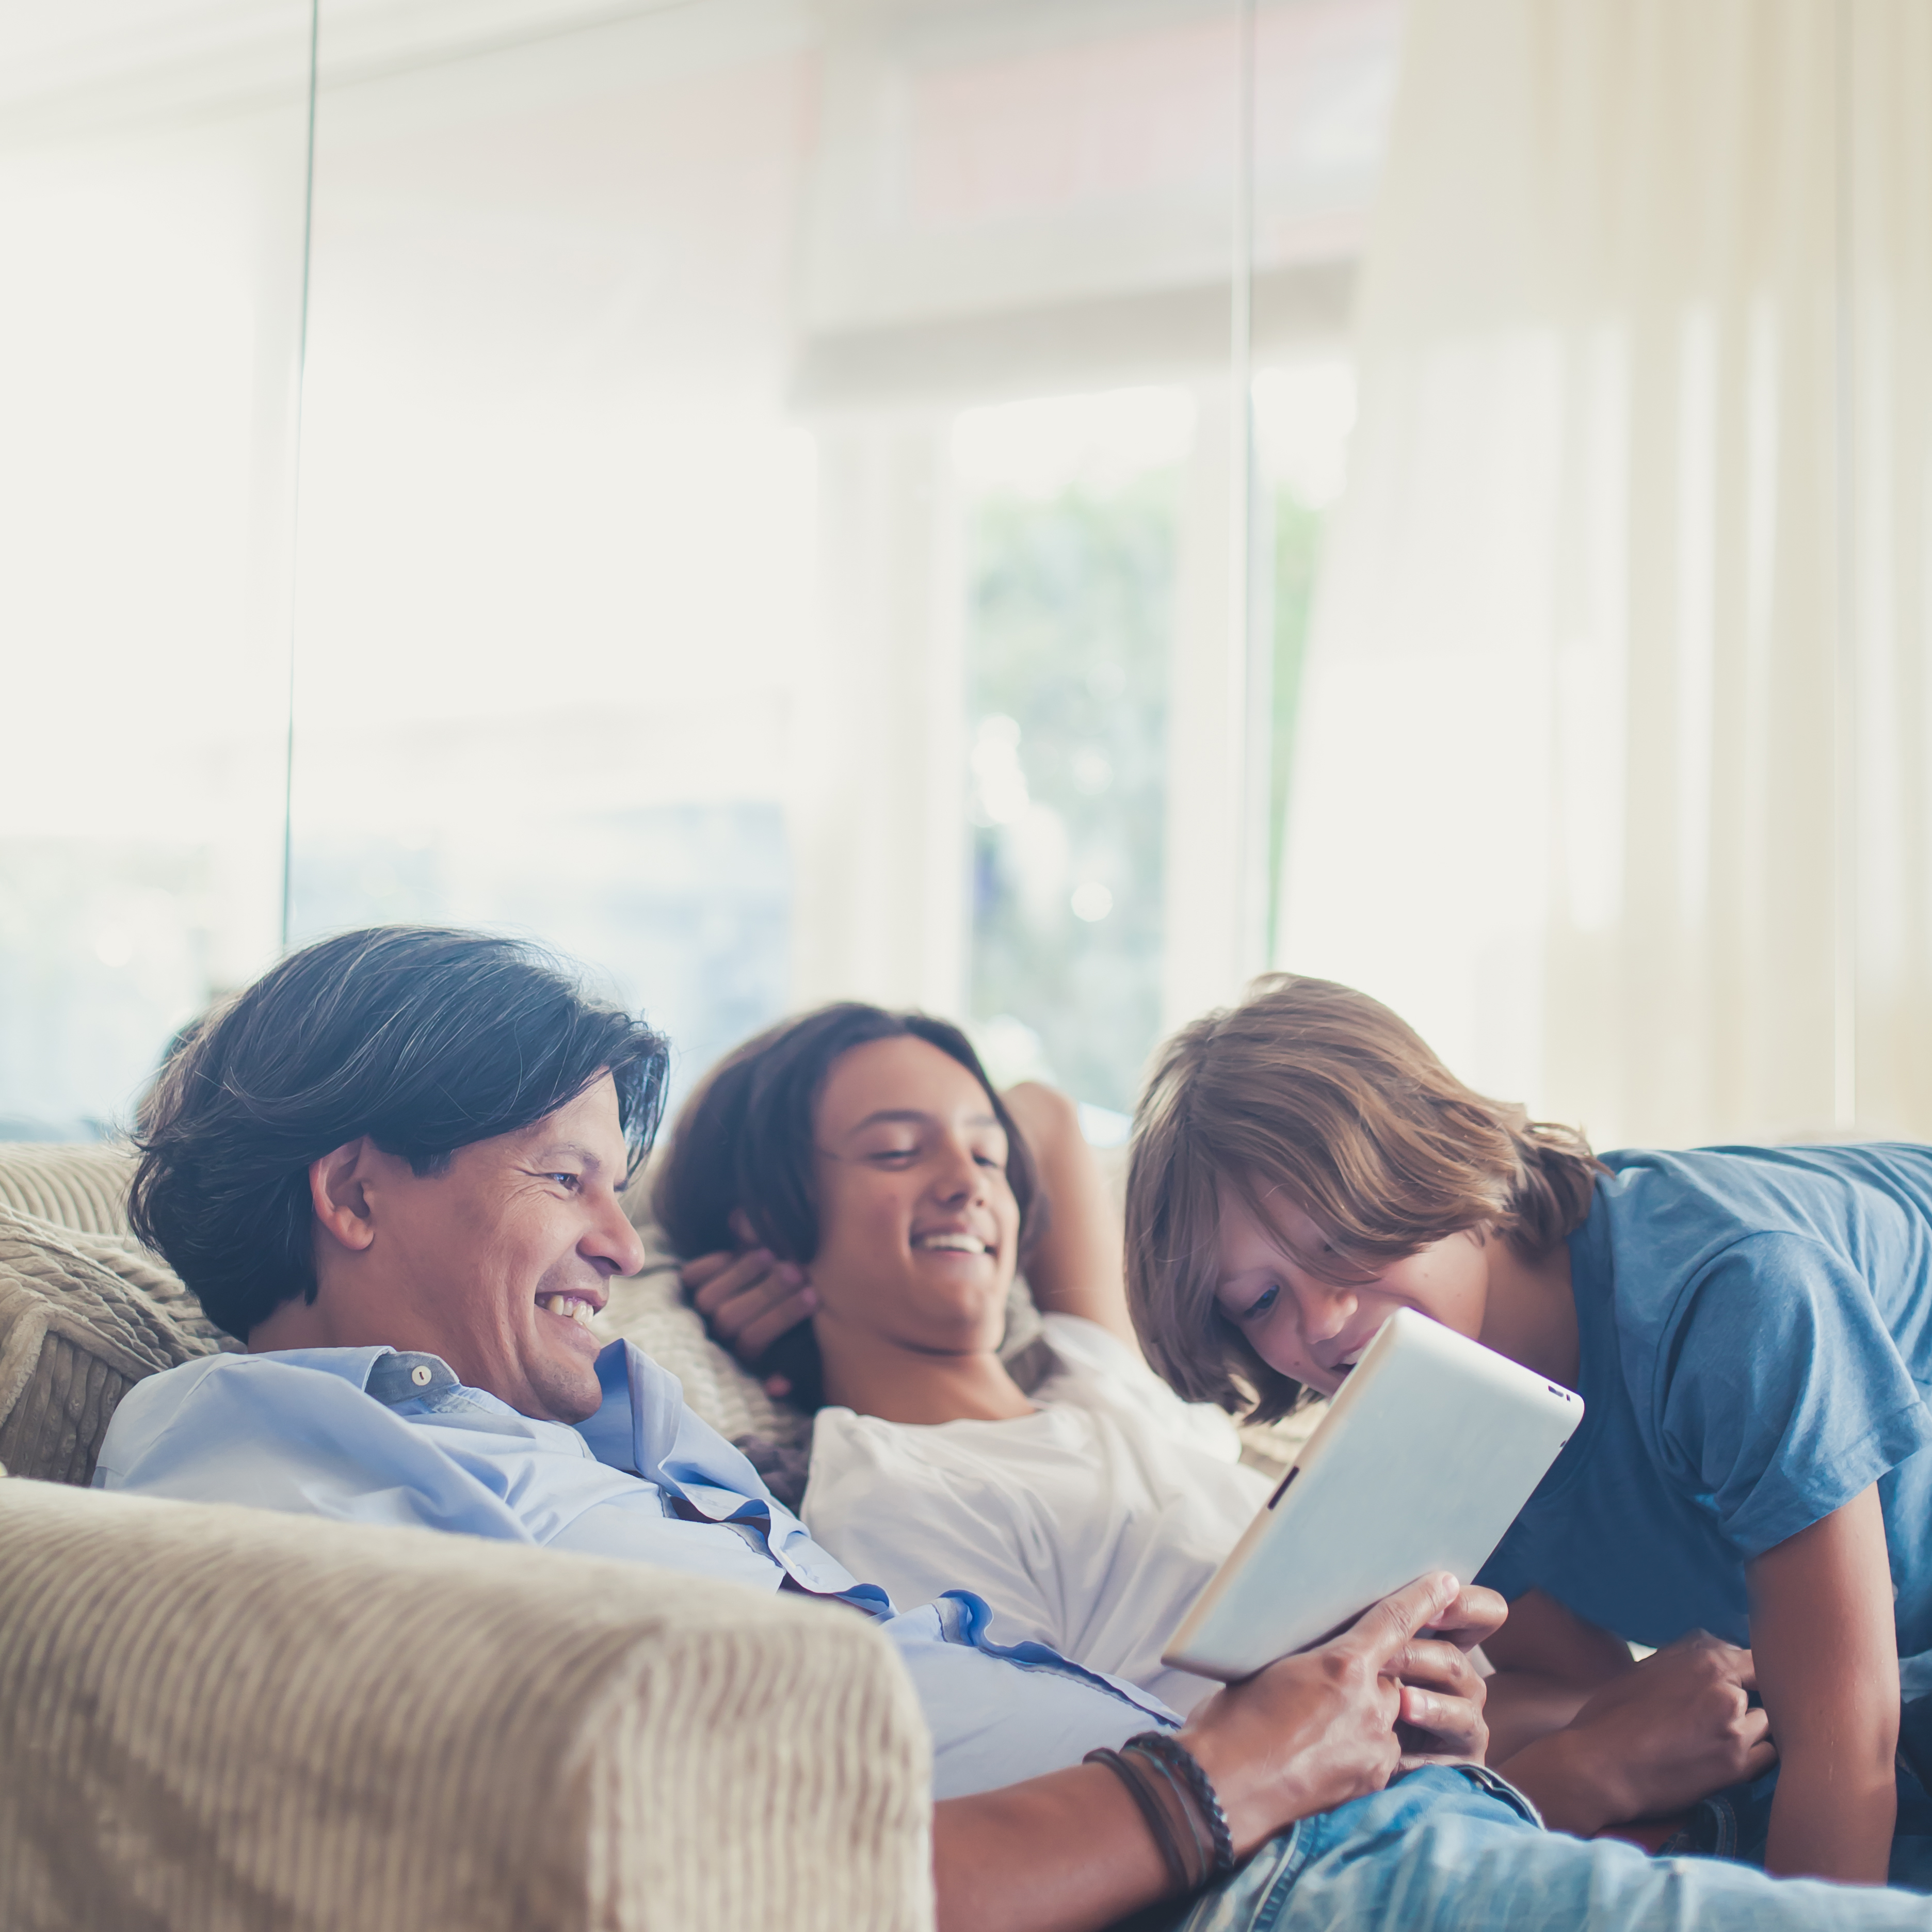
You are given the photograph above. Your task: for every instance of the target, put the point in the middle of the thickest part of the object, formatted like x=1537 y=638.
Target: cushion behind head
x=82 y=1318
x=83 y=1187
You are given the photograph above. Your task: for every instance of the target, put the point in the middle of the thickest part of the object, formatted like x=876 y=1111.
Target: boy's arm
x=1827 y=1653
x=1596 y=1738
x=1657 y=1737
x=1549 y=1663
x=1076 y=1267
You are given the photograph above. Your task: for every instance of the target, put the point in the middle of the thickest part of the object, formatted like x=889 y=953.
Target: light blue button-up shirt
x=372 y=1435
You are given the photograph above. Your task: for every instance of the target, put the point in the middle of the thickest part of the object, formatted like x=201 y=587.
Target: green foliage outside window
x=1297 y=553
x=1071 y=622
x=1070 y=637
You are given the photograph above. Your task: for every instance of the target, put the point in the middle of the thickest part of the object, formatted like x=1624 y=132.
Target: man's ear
x=341 y=1203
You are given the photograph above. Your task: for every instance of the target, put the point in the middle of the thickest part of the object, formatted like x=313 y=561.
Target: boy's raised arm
x=1076 y=1267
x=1827 y=1657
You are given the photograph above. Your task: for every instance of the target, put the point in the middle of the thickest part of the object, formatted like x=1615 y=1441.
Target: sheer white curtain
x=1612 y=773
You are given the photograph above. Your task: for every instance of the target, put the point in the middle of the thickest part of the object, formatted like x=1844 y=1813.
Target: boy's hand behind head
x=749 y=1299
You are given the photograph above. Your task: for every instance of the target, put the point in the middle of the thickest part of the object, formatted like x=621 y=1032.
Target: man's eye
x=572 y=1182
x=895 y=1153
x=992 y=1161
x=1262 y=1303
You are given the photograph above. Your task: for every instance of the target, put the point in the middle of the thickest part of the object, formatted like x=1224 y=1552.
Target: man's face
x=498 y=1263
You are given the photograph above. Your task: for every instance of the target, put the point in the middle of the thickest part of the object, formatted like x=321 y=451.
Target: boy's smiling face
x=1314 y=1329
x=918 y=1225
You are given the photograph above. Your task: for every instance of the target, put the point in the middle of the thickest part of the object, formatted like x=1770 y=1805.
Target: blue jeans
x=1459 y=1850
x=1735 y=1823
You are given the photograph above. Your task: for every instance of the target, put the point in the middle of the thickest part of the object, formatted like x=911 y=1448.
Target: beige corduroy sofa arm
x=214 y=1719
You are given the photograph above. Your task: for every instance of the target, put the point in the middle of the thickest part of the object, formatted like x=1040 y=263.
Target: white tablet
x=1427 y=1452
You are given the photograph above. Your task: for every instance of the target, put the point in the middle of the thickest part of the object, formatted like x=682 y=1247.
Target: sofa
x=214 y=1718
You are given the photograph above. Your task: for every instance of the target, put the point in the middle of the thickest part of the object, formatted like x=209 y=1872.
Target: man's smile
x=571 y=1304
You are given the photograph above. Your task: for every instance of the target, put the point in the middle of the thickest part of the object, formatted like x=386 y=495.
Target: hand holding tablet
x=1312 y=1732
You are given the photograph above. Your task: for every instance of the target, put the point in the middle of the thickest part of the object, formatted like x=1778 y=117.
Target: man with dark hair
x=390 y=1059
x=393 y=1166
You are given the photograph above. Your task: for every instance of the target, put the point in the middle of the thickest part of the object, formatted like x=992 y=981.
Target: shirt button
x=420 y=1375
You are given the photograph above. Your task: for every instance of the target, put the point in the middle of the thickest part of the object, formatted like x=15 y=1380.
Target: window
x=1073 y=510
x=766 y=484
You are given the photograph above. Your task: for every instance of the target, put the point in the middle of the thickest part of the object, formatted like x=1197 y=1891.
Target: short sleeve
x=1780 y=1394
x=1509 y=1572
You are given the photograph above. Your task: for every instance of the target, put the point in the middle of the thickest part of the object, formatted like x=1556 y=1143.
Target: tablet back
x=1426 y=1454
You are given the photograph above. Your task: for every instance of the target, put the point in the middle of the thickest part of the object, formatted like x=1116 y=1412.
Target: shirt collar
x=393 y=1376
x=405 y=1375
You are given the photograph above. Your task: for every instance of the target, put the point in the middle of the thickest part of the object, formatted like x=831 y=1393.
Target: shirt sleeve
x=1779 y=1395
x=1506 y=1572
x=242 y=1429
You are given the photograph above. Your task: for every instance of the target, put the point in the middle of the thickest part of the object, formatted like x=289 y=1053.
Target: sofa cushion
x=215 y=1719
x=83 y=1318
x=82 y=1187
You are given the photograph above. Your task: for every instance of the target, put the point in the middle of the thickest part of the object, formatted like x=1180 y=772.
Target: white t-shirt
x=1090 y=1524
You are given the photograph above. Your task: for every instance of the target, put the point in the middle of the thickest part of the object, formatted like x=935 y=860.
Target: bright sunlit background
x=936 y=501
x=763 y=515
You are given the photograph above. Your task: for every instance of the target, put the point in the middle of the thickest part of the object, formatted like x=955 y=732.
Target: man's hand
x=1071 y=1852
x=1314 y=1731
x=1664 y=1734
x=1473 y=1617
x=1441 y=1687
x=749 y=1300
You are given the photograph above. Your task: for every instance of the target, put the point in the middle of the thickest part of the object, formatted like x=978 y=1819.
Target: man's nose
x=614 y=1239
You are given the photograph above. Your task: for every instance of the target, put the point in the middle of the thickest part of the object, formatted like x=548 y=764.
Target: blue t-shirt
x=1755 y=1332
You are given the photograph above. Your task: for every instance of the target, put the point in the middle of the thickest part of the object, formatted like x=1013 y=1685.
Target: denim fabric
x=1735 y=1822
x=1457 y=1850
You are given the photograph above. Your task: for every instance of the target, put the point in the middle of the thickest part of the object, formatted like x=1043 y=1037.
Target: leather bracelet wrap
x=1186 y=1810
x=1152 y=1810
x=1168 y=1751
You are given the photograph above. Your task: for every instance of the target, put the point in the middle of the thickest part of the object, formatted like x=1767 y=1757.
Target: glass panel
x=557 y=591
x=650 y=601
x=1303 y=413
x=1324 y=75
x=1073 y=510
x=152 y=182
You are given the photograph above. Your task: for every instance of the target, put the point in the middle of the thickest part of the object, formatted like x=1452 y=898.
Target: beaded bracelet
x=1171 y=1753
x=1152 y=1810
